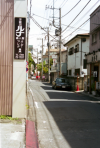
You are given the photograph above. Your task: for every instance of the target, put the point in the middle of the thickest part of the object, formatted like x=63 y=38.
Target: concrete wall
x=19 y=70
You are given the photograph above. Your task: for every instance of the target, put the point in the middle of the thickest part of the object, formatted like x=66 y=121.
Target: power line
x=64 y=4
x=61 y=6
x=77 y=28
x=42 y=17
x=77 y=16
x=71 y=9
x=41 y=27
x=85 y=14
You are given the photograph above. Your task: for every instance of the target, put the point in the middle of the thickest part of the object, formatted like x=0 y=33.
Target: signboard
x=54 y=56
x=20 y=29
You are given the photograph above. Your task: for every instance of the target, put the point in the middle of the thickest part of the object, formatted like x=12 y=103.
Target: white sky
x=38 y=8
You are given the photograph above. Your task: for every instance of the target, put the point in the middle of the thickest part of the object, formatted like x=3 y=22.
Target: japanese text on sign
x=20 y=29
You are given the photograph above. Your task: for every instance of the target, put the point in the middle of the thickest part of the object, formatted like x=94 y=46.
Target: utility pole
x=57 y=33
x=37 y=55
x=59 y=41
x=48 y=58
x=42 y=57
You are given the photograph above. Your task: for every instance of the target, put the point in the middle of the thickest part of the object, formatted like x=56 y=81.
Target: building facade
x=93 y=57
x=13 y=29
x=76 y=49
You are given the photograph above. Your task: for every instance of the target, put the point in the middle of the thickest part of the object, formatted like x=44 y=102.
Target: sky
x=75 y=16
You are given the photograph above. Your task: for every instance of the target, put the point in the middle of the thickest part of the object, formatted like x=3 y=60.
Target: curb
x=31 y=136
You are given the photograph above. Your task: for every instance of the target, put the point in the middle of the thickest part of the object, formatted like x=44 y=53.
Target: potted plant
x=93 y=88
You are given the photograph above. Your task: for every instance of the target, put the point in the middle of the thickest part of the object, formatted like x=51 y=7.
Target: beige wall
x=19 y=70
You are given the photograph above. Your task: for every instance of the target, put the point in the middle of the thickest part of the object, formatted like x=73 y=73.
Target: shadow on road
x=79 y=122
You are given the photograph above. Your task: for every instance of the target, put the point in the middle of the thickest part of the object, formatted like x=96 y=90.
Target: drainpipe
x=81 y=61
x=81 y=55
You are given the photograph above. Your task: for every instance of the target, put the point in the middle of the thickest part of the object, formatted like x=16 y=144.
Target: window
x=84 y=64
x=94 y=37
x=70 y=72
x=77 y=71
x=71 y=51
x=77 y=48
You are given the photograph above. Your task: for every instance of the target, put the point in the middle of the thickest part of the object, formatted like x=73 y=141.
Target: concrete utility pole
x=37 y=56
x=59 y=31
x=59 y=41
x=42 y=57
x=48 y=57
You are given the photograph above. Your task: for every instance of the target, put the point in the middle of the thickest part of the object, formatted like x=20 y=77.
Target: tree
x=45 y=66
x=30 y=60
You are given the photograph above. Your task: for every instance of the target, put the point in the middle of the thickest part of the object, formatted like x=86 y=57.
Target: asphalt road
x=76 y=117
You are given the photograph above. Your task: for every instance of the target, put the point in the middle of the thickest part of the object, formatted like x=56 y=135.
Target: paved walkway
x=12 y=133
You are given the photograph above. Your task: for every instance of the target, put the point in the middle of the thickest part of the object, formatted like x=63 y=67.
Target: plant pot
x=93 y=93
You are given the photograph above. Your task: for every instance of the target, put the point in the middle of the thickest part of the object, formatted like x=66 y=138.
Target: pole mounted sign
x=20 y=30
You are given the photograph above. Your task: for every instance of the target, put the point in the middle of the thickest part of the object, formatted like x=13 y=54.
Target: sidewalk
x=31 y=135
x=12 y=133
x=88 y=94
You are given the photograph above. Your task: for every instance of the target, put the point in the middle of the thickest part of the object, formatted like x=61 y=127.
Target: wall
x=94 y=24
x=19 y=70
x=74 y=59
x=6 y=56
x=85 y=48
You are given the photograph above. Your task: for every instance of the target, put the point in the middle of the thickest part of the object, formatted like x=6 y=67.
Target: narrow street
x=65 y=119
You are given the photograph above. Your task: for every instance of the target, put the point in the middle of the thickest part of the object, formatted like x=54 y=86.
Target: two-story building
x=93 y=57
x=77 y=47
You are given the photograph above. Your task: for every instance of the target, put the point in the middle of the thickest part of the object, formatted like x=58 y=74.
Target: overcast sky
x=80 y=13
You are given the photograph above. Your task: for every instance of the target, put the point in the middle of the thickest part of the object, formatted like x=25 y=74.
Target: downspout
x=81 y=55
x=81 y=61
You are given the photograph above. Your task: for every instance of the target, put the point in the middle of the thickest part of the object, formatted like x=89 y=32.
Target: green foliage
x=93 y=86
x=45 y=66
x=27 y=106
x=51 y=62
x=7 y=117
x=30 y=60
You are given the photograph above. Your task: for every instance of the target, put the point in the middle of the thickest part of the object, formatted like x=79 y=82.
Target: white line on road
x=58 y=91
x=36 y=104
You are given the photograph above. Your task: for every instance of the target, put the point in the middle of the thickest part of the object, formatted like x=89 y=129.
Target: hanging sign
x=20 y=30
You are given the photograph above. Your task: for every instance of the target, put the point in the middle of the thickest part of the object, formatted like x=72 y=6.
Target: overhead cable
x=41 y=27
x=76 y=16
x=84 y=14
x=77 y=28
x=42 y=17
x=71 y=9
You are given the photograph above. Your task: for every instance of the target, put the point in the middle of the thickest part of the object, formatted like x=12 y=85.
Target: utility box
x=57 y=32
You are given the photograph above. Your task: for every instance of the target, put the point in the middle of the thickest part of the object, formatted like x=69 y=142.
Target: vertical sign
x=20 y=29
